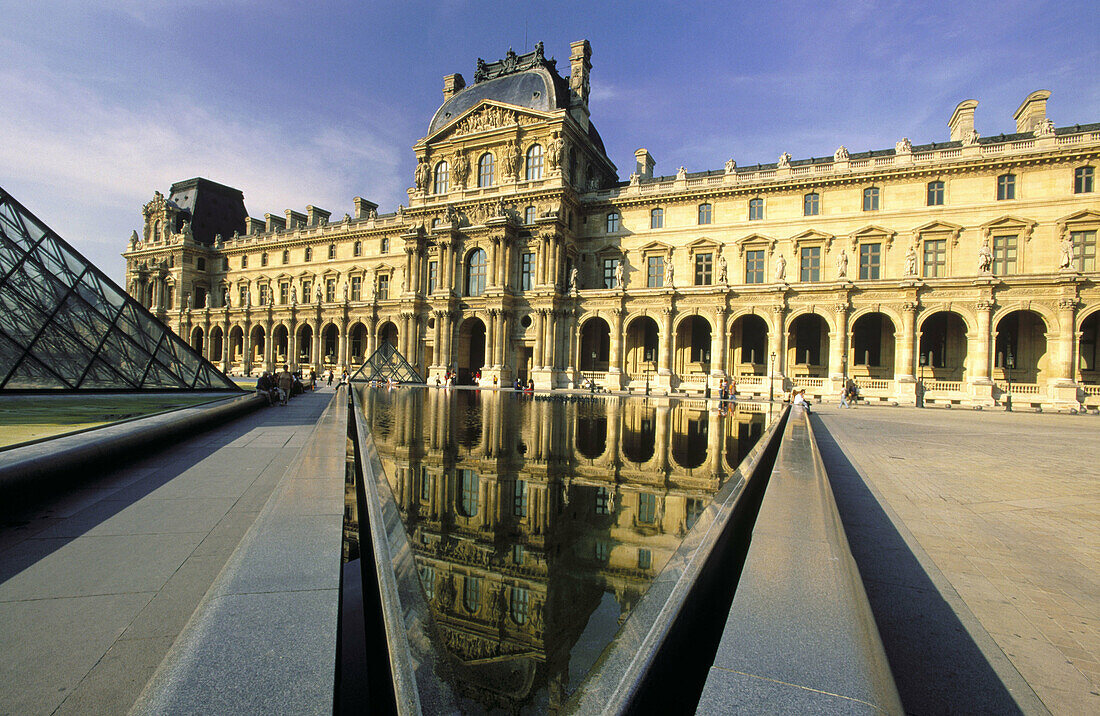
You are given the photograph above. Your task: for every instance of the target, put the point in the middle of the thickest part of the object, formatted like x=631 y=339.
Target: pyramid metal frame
x=65 y=326
x=387 y=363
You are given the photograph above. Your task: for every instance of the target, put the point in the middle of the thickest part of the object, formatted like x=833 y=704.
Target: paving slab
x=976 y=535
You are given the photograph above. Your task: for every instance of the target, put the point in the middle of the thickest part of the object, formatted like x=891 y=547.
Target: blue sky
x=319 y=102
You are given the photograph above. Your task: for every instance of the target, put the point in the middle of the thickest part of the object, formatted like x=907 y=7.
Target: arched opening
x=595 y=345
x=471 y=348
x=258 y=336
x=641 y=347
x=476 y=265
x=305 y=344
x=330 y=341
x=197 y=340
x=639 y=433
x=280 y=336
x=591 y=427
x=357 y=344
x=387 y=333
x=749 y=346
x=872 y=348
x=692 y=346
x=236 y=344
x=216 y=343
x=743 y=431
x=689 y=438
x=1020 y=353
x=943 y=347
x=1089 y=352
x=808 y=346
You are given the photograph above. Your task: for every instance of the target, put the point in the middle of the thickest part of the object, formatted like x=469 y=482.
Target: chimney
x=580 y=56
x=644 y=163
x=253 y=226
x=274 y=222
x=295 y=219
x=451 y=85
x=962 y=120
x=315 y=215
x=364 y=207
x=1032 y=112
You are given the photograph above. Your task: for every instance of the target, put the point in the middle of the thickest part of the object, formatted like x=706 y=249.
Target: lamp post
x=647 y=381
x=923 y=362
x=771 y=377
x=591 y=381
x=1010 y=363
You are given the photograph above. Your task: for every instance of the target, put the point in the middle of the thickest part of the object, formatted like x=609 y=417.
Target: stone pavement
x=96 y=585
x=977 y=535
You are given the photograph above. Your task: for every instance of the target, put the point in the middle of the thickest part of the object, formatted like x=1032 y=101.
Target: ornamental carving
x=555 y=150
x=1068 y=304
x=841 y=154
x=904 y=146
x=1045 y=128
x=460 y=169
x=985 y=305
x=487 y=118
x=510 y=160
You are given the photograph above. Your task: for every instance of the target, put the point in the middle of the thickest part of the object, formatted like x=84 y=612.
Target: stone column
x=536 y=353
x=494 y=263
x=437 y=346
x=501 y=338
x=838 y=346
x=662 y=437
x=777 y=339
x=269 y=344
x=1064 y=371
x=372 y=335
x=342 y=342
x=315 y=358
x=549 y=350
x=714 y=441
x=616 y=366
x=718 y=344
x=225 y=342
x=292 y=342
x=403 y=339
x=448 y=334
x=410 y=279
x=667 y=339
x=540 y=261
x=982 y=348
x=246 y=345
x=904 y=346
x=491 y=339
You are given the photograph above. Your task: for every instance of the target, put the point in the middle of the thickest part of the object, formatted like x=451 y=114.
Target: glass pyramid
x=65 y=326
x=387 y=364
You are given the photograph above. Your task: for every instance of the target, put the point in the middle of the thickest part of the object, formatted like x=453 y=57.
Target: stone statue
x=903 y=147
x=634 y=178
x=731 y=166
x=555 y=149
x=510 y=160
x=573 y=280
x=227 y=299
x=619 y=274
x=293 y=295
x=460 y=168
x=188 y=234
x=842 y=264
x=247 y=298
x=681 y=174
x=372 y=214
x=670 y=272
x=911 y=262
x=400 y=211
x=780 y=268
x=188 y=302
x=985 y=257
x=841 y=154
x=133 y=240
x=217 y=239
x=784 y=161
x=347 y=218
x=422 y=174
x=1066 y=264
x=1045 y=128
x=344 y=291
x=320 y=296
x=970 y=138
x=723 y=277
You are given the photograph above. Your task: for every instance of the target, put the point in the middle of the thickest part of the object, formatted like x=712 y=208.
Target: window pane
x=1084 y=250
x=704 y=213
x=609 y=270
x=704 y=265
x=475 y=273
x=935 y=193
x=442 y=178
x=1004 y=255
x=811 y=204
x=754 y=266
x=756 y=209
x=870 y=261
x=529 y=215
x=655 y=273
x=433 y=275
x=657 y=219
x=811 y=263
x=485 y=169
x=534 y=162
x=1082 y=180
x=870 y=199
x=1006 y=187
x=935 y=257
x=612 y=222
x=526 y=271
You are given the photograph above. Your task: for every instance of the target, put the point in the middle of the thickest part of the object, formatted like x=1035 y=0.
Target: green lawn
x=26 y=418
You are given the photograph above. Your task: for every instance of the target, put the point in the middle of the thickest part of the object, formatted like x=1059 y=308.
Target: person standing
x=285 y=381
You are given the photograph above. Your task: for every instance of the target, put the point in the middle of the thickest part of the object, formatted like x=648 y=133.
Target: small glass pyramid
x=387 y=364
x=65 y=326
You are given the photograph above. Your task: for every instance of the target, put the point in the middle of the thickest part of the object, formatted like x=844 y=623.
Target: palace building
x=954 y=270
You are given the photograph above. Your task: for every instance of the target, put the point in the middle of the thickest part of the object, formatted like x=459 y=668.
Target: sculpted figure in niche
x=188 y=302
x=344 y=291
x=1066 y=264
x=842 y=264
x=985 y=257
x=293 y=295
x=422 y=174
x=319 y=294
x=573 y=273
x=723 y=277
x=619 y=274
x=911 y=262
x=460 y=168
x=555 y=148
x=227 y=299
x=780 y=268
x=511 y=160
x=669 y=272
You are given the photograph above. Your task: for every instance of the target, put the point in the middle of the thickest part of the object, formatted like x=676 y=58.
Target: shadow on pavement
x=937 y=666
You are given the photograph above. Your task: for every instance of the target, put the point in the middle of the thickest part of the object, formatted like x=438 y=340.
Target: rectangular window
x=1082 y=180
x=284 y=293
x=385 y=245
x=657 y=219
x=609 y=267
x=243 y=295
x=704 y=269
x=356 y=288
x=705 y=213
x=519 y=499
x=601 y=550
x=935 y=193
x=330 y=290
x=612 y=222
x=811 y=263
x=602 y=496
x=811 y=204
x=645 y=559
x=935 y=257
x=433 y=276
x=171 y=296
x=870 y=261
x=754 y=266
x=425 y=485
x=756 y=209
x=526 y=271
x=383 y=286
x=529 y=215
x=200 y=264
x=244 y=262
x=647 y=508
x=517 y=554
x=870 y=198
x=1084 y=250
x=655 y=271
x=263 y=294
x=1004 y=255
x=1006 y=187
x=307 y=291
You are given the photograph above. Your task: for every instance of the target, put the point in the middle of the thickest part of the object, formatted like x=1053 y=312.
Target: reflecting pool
x=537 y=523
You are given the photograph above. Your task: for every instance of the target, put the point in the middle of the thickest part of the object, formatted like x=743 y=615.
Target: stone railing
x=949 y=386
x=1019 y=388
x=595 y=376
x=1091 y=389
x=809 y=382
x=873 y=384
x=751 y=379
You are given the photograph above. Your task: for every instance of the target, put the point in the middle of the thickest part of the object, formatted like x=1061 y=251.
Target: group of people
x=727 y=389
x=279 y=388
x=528 y=387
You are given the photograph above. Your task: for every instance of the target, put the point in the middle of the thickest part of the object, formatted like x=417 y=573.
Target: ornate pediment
x=938 y=227
x=703 y=244
x=654 y=247
x=755 y=239
x=1087 y=217
x=812 y=236
x=483 y=117
x=1024 y=227
x=871 y=232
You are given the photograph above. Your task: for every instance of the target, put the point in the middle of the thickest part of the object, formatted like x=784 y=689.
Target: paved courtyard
x=977 y=535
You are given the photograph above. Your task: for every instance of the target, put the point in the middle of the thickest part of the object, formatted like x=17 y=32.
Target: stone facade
x=945 y=270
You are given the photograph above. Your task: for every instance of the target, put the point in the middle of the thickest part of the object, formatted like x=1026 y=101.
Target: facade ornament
x=780 y=268
x=840 y=308
x=723 y=277
x=985 y=257
x=347 y=219
x=634 y=178
x=911 y=261
x=1045 y=128
x=510 y=160
x=573 y=273
x=481 y=73
x=619 y=277
x=910 y=307
x=1066 y=262
x=731 y=166
x=841 y=154
x=970 y=138
x=372 y=214
x=460 y=169
x=488 y=118
x=400 y=211
x=842 y=264
x=270 y=298
x=984 y=305
x=217 y=241
x=1067 y=304
x=670 y=272
x=318 y=293
x=134 y=240
x=784 y=161
x=188 y=235
x=188 y=302
x=344 y=292
x=293 y=295
x=681 y=174
x=451 y=215
x=227 y=298
x=555 y=149
x=904 y=146
x=422 y=174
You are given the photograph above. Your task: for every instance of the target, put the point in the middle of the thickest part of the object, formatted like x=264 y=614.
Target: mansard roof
x=212 y=208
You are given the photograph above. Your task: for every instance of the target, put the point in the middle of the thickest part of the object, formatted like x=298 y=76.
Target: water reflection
x=537 y=524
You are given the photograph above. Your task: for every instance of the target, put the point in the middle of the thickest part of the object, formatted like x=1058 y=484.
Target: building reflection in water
x=537 y=524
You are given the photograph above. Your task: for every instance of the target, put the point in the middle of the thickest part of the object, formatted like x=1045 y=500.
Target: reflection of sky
x=297 y=103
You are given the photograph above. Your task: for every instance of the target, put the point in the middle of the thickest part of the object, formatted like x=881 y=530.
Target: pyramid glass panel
x=65 y=326
x=387 y=364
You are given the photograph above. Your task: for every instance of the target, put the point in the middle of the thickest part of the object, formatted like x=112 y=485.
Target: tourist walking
x=284 y=381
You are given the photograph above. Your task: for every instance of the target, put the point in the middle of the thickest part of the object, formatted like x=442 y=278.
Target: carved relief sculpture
x=554 y=151
x=985 y=257
x=723 y=276
x=1066 y=263
x=460 y=169
x=422 y=175
x=510 y=161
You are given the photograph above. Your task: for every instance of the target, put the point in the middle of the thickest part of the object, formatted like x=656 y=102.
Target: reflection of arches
x=1089 y=352
x=749 y=345
x=197 y=340
x=873 y=344
x=305 y=344
x=256 y=340
x=595 y=344
x=943 y=345
x=280 y=339
x=741 y=436
x=591 y=430
x=236 y=343
x=808 y=345
x=357 y=342
x=216 y=335
x=387 y=333
x=639 y=434
x=689 y=438
x=1021 y=335
x=692 y=346
x=642 y=339
x=471 y=348
x=330 y=338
